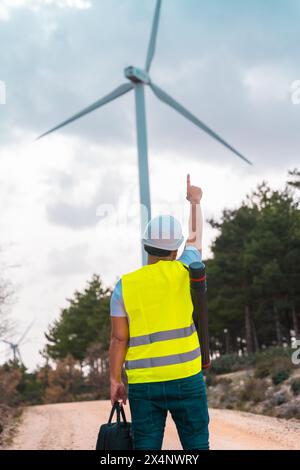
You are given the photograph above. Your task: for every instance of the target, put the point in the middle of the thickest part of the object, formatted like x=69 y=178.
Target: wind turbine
x=138 y=78
x=15 y=347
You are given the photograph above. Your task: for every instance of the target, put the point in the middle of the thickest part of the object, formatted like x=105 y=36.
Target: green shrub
x=272 y=354
x=262 y=370
x=271 y=360
x=230 y=363
x=279 y=399
x=222 y=364
x=30 y=389
x=295 y=386
x=280 y=376
x=266 y=362
x=281 y=369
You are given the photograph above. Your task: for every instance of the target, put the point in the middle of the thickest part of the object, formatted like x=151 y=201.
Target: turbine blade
x=121 y=90
x=6 y=342
x=25 y=332
x=152 y=42
x=167 y=99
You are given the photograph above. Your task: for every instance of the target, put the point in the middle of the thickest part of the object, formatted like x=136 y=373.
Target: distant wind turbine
x=138 y=78
x=15 y=347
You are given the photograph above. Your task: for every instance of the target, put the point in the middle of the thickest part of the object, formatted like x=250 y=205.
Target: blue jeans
x=184 y=398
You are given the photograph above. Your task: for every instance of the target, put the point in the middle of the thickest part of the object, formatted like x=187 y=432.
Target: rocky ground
x=245 y=392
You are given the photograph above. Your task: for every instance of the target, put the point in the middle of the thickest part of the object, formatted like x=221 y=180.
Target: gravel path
x=75 y=426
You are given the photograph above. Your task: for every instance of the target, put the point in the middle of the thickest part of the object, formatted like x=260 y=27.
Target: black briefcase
x=115 y=436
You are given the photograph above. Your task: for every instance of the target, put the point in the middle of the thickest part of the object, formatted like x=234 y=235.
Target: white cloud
x=268 y=83
x=8 y=6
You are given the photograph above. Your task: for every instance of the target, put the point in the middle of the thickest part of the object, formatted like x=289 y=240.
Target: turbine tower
x=15 y=347
x=138 y=79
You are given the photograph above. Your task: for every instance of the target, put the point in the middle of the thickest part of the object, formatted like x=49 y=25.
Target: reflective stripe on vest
x=163 y=341
x=162 y=336
x=163 y=361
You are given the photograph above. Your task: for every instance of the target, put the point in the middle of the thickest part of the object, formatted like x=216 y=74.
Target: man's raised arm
x=194 y=195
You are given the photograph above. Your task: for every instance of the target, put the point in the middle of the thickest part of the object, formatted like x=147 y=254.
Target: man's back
x=163 y=342
x=159 y=295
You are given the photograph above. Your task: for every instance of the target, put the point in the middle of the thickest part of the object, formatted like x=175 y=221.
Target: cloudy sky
x=231 y=63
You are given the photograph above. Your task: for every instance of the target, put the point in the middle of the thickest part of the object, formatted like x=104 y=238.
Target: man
x=154 y=334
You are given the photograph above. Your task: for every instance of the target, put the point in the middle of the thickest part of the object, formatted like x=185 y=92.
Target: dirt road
x=75 y=426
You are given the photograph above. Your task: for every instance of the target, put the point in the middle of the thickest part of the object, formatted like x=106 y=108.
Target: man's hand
x=117 y=392
x=193 y=193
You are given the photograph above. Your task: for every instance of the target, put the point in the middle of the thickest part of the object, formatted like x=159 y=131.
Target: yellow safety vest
x=163 y=342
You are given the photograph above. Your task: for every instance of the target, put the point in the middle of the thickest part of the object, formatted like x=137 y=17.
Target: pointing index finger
x=188 y=181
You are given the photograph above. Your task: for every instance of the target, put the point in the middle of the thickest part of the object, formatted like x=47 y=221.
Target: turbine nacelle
x=137 y=75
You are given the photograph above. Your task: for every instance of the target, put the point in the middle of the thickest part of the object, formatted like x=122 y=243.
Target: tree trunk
x=256 y=343
x=227 y=341
x=295 y=322
x=278 y=327
x=248 y=328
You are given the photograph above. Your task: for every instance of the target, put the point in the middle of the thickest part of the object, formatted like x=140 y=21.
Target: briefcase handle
x=118 y=407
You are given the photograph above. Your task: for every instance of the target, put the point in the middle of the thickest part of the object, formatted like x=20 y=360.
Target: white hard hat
x=164 y=232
